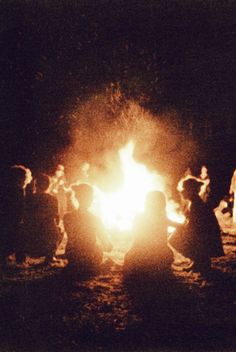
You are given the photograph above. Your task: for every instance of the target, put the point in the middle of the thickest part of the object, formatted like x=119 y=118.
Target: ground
x=42 y=311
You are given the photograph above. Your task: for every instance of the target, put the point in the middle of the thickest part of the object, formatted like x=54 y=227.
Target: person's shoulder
x=197 y=204
x=30 y=199
x=69 y=215
x=50 y=197
x=34 y=198
x=94 y=219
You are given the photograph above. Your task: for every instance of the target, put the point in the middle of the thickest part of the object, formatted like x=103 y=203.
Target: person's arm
x=175 y=224
x=67 y=222
x=56 y=210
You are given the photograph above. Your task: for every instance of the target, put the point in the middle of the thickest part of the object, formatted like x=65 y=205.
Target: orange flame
x=118 y=209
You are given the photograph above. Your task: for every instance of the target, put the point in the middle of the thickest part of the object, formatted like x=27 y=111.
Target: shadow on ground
x=41 y=309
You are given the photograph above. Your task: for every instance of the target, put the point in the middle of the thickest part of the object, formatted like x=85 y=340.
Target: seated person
x=200 y=239
x=41 y=233
x=150 y=253
x=12 y=193
x=84 y=230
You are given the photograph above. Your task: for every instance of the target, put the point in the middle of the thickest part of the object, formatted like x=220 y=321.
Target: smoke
x=106 y=121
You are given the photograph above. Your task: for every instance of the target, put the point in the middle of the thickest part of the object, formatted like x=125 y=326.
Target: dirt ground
x=41 y=310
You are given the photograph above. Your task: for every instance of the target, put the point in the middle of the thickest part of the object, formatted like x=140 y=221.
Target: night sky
x=178 y=55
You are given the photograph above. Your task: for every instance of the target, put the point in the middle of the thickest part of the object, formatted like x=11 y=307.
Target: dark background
x=174 y=54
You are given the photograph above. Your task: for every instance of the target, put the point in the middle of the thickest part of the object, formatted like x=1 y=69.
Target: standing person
x=150 y=253
x=85 y=171
x=205 y=188
x=41 y=233
x=12 y=212
x=232 y=192
x=200 y=240
x=58 y=189
x=187 y=174
x=84 y=230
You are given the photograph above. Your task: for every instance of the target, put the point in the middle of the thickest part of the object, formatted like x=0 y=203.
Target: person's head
x=191 y=188
x=60 y=171
x=84 y=194
x=204 y=171
x=85 y=167
x=19 y=176
x=42 y=183
x=155 y=202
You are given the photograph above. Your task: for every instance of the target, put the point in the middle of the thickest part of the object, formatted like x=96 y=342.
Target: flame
x=118 y=209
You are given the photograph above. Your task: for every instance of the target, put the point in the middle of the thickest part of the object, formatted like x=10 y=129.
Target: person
x=85 y=171
x=12 y=191
x=41 y=232
x=183 y=202
x=150 y=253
x=58 y=188
x=187 y=174
x=232 y=192
x=205 y=188
x=200 y=240
x=84 y=231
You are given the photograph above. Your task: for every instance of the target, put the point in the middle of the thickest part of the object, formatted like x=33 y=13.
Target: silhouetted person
x=58 y=188
x=205 y=188
x=12 y=212
x=42 y=235
x=200 y=240
x=232 y=192
x=187 y=174
x=150 y=253
x=84 y=230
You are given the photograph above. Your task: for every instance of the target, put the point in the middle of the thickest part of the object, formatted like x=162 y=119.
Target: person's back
x=150 y=252
x=83 y=230
x=43 y=208
x=12 y=211
x=202 y=230
x=12 y=195
x=13 y=205
x=150 y=231
x=41 y=217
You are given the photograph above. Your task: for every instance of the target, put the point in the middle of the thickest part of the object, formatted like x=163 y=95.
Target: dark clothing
x=12 y=203
x=59 y=191
x=11 y=218
x=41 y=233
x=83 y=229
x=150 y=252
x=200 y=238
x=205 y=189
